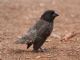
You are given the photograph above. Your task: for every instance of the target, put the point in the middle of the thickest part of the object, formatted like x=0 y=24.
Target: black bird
x=38 y=34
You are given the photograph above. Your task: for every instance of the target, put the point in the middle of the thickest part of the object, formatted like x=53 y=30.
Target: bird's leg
x=41 y=49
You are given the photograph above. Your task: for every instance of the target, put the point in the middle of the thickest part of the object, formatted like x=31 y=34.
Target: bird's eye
x=52 y=13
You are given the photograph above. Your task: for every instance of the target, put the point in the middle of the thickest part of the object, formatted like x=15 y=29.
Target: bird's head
x=49 y=15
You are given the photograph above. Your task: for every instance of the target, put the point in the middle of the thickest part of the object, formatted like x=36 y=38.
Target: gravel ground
x=17 y=16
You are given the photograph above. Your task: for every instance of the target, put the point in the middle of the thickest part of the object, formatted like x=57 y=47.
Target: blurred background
x=17 y=16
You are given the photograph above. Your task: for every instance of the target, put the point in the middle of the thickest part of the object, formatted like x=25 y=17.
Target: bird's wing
x=43 y=27
x=28 y=37
x=39 y=28
x=34 y=32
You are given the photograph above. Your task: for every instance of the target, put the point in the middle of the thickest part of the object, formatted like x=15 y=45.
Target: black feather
x=38 y=34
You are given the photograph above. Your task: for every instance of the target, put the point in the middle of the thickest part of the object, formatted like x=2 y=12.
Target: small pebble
x=55 y=35
x=42 y=4
x=37 y=57
x=27 y=57
x=68 y=35
x=49 y=56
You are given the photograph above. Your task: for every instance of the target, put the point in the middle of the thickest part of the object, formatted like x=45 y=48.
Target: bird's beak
x=56 y=14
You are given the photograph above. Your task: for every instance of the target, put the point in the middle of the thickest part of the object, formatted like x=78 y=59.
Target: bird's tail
x=22 y=40
x=19 y=42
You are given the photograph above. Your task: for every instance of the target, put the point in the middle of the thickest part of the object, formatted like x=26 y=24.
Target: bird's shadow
x=18 y=51
x=27 y=51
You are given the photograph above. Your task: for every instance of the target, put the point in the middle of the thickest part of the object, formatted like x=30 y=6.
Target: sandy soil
x=16 y=16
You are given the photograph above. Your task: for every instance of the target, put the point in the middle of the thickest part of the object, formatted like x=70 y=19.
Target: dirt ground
x=17 y=16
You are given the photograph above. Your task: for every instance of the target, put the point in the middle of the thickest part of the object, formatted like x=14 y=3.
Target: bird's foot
x=42 y=49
